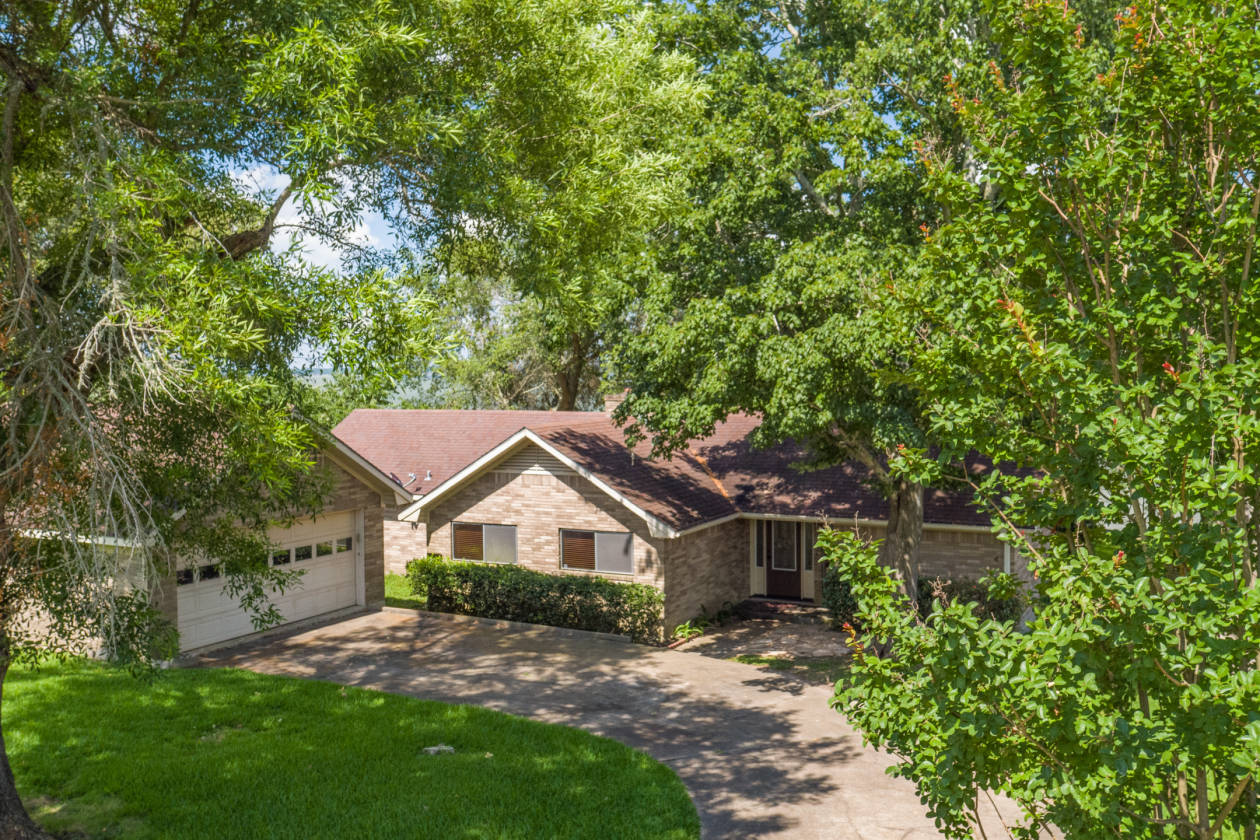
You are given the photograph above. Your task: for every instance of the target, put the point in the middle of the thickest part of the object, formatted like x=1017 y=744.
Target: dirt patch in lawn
x=89 y=816
x=812 y=653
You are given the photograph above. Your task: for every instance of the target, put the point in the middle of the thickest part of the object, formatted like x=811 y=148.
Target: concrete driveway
x=762 y=756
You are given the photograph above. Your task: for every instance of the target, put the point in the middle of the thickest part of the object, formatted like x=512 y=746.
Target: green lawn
x=398 y=593
x=226 y=753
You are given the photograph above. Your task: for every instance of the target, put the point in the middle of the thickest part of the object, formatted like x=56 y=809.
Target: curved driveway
x=762 y=756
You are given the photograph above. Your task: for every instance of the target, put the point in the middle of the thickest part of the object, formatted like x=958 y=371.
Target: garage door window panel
x=345 y=544
x=323 y=549
x=301 y=552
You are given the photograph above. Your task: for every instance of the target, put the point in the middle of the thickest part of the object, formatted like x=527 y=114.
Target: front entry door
x=783 y=572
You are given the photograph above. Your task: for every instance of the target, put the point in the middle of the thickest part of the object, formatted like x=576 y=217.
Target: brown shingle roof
x=402 y=441
x=716 y=477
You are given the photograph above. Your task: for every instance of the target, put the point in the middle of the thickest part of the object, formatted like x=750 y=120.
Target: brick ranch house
x=560 y=492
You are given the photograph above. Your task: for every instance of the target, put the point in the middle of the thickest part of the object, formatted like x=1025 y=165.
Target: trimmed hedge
x=838 y=598
x=582 y=602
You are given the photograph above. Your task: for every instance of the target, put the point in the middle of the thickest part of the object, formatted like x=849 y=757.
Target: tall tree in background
x=1090 y=312
x=148 y=330
x=517 y=349
x=805 y=200
x=531 y=249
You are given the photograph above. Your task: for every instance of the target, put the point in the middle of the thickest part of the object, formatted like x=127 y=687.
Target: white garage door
x=326 y=549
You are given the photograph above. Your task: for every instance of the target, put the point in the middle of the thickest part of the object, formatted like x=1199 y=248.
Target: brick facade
x=404 y=541
x=700 y=571
x=539 y=503
x=704 y=570
x=958 y=553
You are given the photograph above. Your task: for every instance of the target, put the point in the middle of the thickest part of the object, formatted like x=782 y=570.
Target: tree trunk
x=570 y=378
x=900 y=551
x=15 y=823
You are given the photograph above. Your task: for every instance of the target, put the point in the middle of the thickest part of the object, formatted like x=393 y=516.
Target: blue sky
x=372 y=230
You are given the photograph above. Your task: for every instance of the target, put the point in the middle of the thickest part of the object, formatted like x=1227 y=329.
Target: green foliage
x=837 y=597
x=151 y=330
x=999 y=601
x=398 y=593
x=1090 y=314
x=993 y=599
x=321 y=751
x=688 y=630
x=512 y=593
x=804 y=198
x=806 y=203
x=693 y=627
x=153 y=335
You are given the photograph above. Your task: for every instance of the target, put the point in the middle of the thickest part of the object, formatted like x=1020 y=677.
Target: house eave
x=656 y=527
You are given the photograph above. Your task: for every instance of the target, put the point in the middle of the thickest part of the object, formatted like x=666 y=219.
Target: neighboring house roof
x=714 y=479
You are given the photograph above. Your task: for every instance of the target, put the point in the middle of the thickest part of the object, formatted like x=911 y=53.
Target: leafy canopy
x=1089 y=311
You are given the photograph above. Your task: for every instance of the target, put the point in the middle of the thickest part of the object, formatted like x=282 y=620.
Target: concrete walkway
x=762 y=756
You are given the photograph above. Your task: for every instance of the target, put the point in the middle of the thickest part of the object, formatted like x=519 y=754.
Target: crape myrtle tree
x=148 y=328
x=805 y=199
x=1090 y=312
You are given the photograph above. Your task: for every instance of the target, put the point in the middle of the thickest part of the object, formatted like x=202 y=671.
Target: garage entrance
x=327 y=549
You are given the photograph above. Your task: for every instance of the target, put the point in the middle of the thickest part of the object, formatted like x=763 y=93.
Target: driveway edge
x=503 y=624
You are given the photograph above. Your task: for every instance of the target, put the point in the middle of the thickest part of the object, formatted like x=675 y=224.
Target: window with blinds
x=491 y=543
x=467 y=543
x=598 y=551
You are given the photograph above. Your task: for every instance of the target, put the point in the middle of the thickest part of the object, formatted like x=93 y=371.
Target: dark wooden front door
x=783 y=566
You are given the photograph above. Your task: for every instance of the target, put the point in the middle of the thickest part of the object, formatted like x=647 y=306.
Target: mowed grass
x=398 y=593
x=220 y=753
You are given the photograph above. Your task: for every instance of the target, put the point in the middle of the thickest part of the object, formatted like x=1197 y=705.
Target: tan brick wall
x=539 y=505
x=704 y=570
x=959 y=554
x=349 y=493
x=947 y=554
x=404 y=541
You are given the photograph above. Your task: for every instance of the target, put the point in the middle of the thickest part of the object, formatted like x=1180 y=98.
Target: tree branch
x=245 y=242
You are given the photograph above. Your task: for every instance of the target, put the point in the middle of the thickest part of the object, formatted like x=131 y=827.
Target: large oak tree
x=149 y=328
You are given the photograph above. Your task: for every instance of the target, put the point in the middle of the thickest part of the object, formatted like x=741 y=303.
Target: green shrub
x=837 y=597
x=997 y=603
x=511 y=593
x=991 y=602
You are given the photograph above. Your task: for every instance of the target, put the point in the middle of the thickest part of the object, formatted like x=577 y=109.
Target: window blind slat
x=578 y=549
x=467 y=542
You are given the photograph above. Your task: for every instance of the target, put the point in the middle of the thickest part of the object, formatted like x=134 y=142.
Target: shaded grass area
x=398 y=593
x=817 y=670
x=223 y=753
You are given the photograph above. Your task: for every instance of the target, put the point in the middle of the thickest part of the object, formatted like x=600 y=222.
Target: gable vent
x=530 y=460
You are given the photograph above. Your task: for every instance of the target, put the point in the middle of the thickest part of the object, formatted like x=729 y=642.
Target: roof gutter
x=858 y=522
